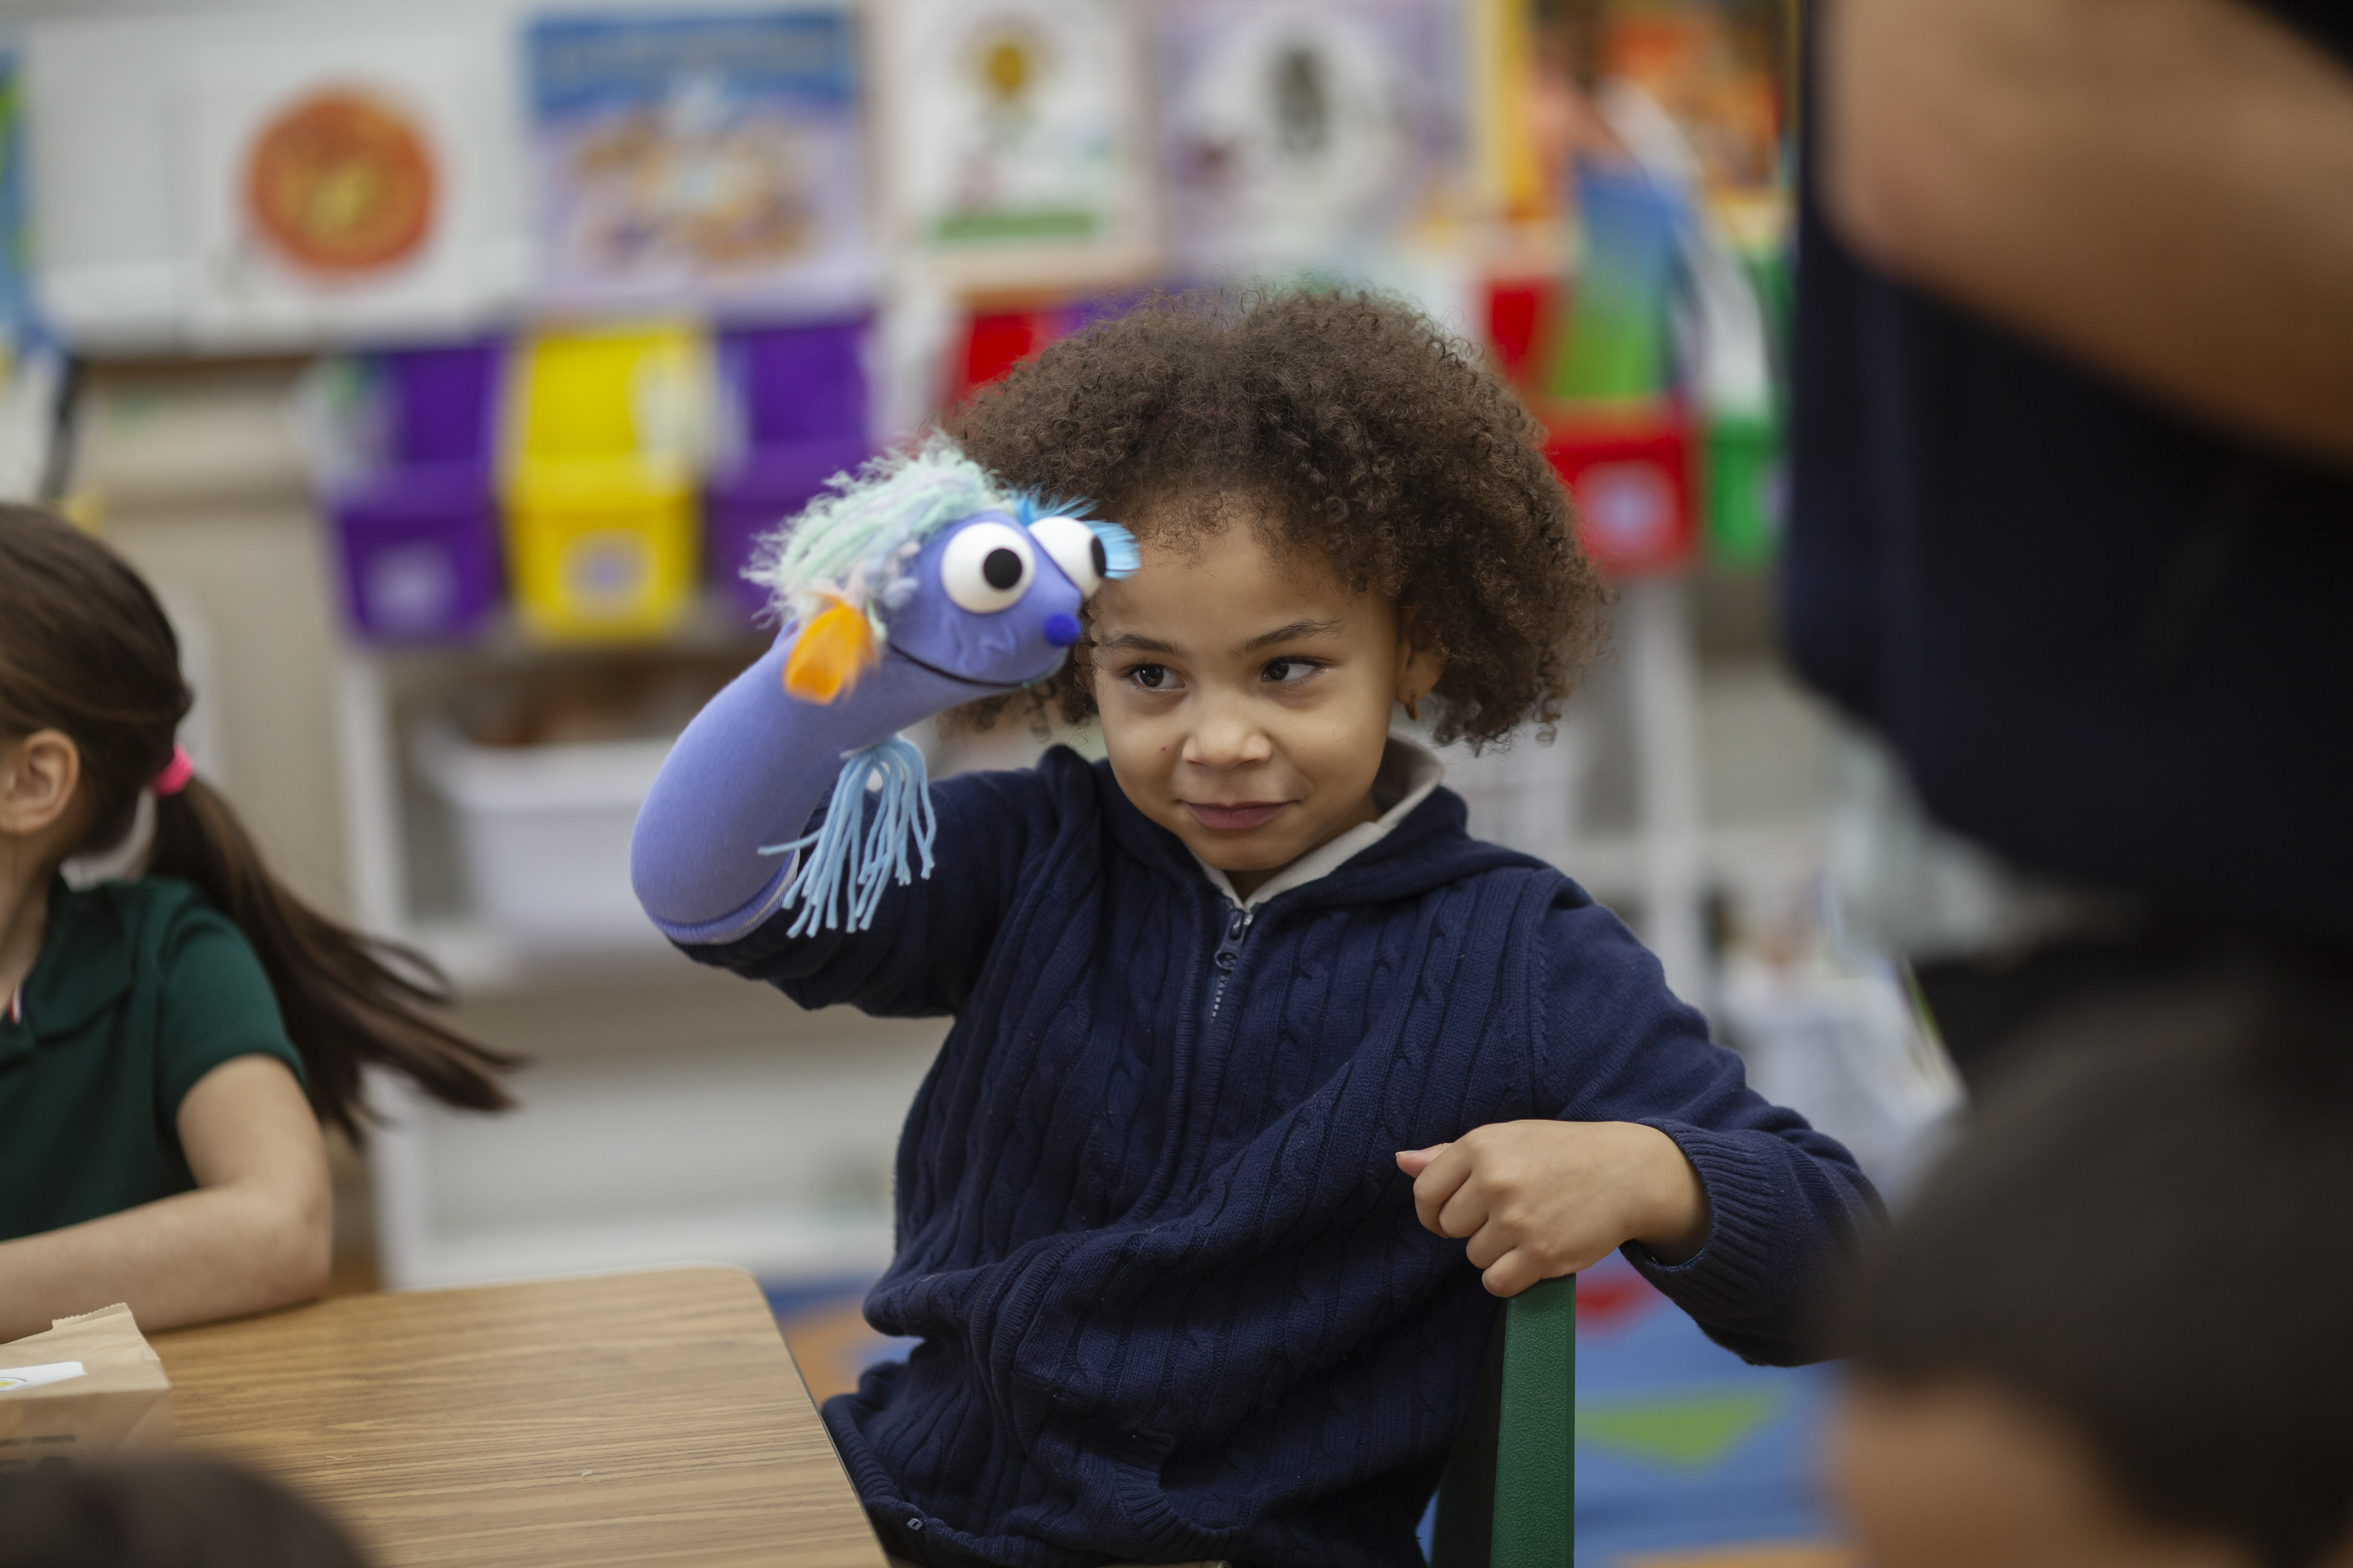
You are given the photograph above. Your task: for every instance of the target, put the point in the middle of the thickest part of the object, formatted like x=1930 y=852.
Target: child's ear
x=1420 y=661
x=38 y=778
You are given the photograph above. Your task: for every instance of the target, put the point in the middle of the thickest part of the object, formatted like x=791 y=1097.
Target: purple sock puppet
x=918 y=586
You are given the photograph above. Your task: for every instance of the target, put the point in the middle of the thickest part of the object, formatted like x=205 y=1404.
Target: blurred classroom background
x=441 y=361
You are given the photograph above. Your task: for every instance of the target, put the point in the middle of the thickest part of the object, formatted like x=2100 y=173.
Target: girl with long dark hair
x=170 y=1043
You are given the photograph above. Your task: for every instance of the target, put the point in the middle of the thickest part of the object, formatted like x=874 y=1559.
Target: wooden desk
x=637 y=1419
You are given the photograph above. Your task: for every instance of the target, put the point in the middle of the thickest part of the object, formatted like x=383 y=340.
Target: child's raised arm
x=917 y=588
x=749 y=772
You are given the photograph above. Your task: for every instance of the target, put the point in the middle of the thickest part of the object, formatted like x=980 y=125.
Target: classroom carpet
x=1686 y=1457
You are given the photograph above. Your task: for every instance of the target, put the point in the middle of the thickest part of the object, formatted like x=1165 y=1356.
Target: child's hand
x=1540 y=1199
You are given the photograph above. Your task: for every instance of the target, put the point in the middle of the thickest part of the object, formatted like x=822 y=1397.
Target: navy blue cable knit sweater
x=1173 y=1297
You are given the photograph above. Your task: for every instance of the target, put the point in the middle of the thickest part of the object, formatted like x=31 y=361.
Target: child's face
x=1961 y=1475
x=1246 y=697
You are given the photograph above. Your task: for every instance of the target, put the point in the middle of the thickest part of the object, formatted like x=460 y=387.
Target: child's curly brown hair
x=1355 y=429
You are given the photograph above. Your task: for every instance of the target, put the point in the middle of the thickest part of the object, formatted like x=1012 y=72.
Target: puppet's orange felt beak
x=832 y=651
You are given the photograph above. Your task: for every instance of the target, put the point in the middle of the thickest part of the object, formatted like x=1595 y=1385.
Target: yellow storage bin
x=602 y=549
x=607 y=428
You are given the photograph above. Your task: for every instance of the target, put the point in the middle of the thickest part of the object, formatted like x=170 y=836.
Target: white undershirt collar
x=1409 y=772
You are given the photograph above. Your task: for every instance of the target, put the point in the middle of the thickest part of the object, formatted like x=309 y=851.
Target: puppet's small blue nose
x=1061 y=630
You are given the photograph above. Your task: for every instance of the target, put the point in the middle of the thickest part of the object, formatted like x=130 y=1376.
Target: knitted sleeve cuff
x=1735 y=1270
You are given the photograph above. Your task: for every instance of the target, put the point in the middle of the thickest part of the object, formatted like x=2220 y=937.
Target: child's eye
x=1289 y=670
x=1153 y=677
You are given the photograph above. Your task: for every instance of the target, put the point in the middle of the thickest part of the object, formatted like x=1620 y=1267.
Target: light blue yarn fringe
x=1121 y=557
x=851 y=854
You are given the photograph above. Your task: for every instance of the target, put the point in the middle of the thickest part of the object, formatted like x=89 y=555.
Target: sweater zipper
x=1203 y=1056
x=1229 y=953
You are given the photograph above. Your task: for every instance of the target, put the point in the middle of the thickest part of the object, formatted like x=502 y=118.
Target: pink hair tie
x=175 y=774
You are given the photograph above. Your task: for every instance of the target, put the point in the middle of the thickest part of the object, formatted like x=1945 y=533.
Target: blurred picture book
x=713 y=158
x=1293 y=133
x=1016 y=141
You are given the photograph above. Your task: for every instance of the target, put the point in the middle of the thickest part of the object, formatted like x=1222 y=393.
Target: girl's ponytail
x=348 y=1001
x=86 y=649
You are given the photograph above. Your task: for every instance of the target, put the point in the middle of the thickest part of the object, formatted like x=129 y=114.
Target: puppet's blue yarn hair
x=846 y=862
x=1121 y=557
x=865 y=525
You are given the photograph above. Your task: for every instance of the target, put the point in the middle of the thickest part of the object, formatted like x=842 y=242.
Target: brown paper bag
x=88 y=1388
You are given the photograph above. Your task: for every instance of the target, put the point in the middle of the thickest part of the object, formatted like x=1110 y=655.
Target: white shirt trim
x=1409 y=772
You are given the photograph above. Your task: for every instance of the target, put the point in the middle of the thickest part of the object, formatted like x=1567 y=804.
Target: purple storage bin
x=420 y=552
x=798 y=399
x=442 y=403
x=789 y=383
x=420 y=538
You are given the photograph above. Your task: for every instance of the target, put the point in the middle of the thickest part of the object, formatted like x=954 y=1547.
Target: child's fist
x=1540 y=1199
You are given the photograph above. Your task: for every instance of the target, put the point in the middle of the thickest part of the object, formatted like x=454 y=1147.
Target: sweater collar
x=1422 y=847
x=1410 y=770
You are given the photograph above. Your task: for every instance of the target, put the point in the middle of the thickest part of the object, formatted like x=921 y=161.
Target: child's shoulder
x=1048 y=818
x=1550 y=918
x=146 y=941
x=1432 y=846
x=149 y=916
x=1059 y=784
x=149 y=901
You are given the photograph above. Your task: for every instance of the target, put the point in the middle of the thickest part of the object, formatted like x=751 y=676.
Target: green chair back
x=1508 y=1498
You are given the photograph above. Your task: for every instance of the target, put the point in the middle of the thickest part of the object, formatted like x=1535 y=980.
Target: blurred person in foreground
x=161 y=1512
x=2072 y=443
x=2112 y=1329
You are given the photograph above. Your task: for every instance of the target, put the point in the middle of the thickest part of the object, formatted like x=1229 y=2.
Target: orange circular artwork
x=341 y=181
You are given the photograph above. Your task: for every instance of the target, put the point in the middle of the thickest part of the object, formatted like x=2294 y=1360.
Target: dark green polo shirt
x=142 y=988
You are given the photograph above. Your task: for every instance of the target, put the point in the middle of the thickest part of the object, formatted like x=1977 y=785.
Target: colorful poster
x=1298 y=133
x=1014 y=130
x=700 y=160
x=337 y=189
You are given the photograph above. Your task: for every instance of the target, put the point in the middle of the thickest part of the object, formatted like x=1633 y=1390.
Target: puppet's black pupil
x=1095 y=554
x=1001 y=569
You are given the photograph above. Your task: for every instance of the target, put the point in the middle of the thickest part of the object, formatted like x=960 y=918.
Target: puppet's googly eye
x=1076 y=549
x=988 y=567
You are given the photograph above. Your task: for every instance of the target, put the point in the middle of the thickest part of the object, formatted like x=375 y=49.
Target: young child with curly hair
x=1173 y=1296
